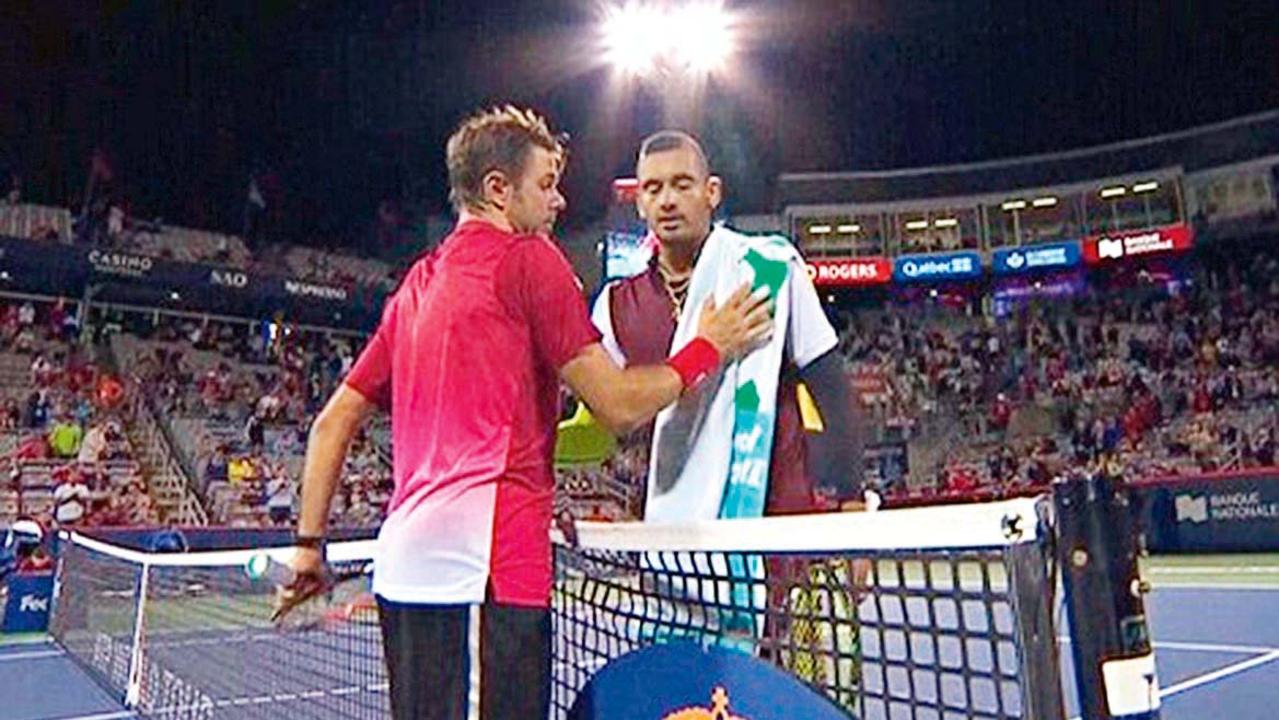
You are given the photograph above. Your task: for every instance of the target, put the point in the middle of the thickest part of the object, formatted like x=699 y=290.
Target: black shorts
x=467 y=662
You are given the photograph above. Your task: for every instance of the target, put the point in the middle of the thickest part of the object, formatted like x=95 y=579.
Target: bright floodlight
x=642 y=37
x=702 y=37
x=629 y=37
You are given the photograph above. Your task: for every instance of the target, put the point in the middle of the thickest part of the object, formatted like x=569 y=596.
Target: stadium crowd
x=1141 y=381
x=245 y=400
x=1148 y=374
x=67 y=456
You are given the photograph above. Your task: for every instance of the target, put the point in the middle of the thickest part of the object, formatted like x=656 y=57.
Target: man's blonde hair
x=496 y=139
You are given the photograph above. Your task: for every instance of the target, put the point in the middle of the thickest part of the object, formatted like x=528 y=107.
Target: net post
x=133 y=693
x=1031 y=590
x=1110 y=637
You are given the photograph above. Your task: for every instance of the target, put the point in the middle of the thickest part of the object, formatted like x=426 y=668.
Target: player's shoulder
x=537 y=245
x=534 y=256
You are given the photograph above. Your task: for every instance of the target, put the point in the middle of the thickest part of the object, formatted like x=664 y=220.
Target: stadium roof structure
x=1225 y=143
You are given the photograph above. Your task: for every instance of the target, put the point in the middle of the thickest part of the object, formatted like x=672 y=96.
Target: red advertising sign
x=850 y=272
x=1120 y=246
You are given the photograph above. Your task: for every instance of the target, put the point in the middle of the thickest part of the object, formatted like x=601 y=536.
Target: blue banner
x=1225 y=513
x=27 y=609
x=937 y=266
x=142 y=279
x=1049 y=256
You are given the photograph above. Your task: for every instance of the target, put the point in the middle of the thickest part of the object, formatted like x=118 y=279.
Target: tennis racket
x=341 y=597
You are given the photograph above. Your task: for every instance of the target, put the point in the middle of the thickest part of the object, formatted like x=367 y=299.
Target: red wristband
x=695 y=362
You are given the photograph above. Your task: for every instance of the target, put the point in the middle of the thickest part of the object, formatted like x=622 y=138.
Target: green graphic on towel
x=747 y=397
x=768 y=273
x=747 y=480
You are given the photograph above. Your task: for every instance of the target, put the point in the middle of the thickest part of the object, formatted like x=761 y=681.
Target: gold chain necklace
x=676 y=288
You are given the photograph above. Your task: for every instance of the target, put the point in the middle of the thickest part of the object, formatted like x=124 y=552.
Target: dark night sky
x=350 y=102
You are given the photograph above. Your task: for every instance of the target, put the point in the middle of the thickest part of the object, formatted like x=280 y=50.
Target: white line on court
x=1219 y=585
x=1205 y=647
x=1219 y=674
x=1217 y=570
x=6 y=657
x=117 y=715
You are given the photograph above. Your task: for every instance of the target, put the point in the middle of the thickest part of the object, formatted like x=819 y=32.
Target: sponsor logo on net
x=1225 y=507
x=924 y=268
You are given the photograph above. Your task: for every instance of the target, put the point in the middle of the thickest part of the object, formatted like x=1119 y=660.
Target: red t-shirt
x=467 y=357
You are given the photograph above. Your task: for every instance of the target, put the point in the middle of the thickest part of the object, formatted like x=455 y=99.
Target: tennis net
x=188 y=635
x=940 y=612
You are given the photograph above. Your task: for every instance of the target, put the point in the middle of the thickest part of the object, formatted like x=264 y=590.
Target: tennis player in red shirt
x=469 y=357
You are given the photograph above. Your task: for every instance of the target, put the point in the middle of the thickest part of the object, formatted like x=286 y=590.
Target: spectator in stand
x=111 y=511
x=360 y=512
x=117 y=442
x=255 y=433
x=37 y=561
x=82 y=411
x=216 y=470
x=26 y=316
x=13 y=479
x=143 y=510
x=241 y=471
x=65 y=437
x=9 y=325
x=37 y=410
x=43 y=371
x=281 y=496
x=288 y=443
x=25 y=340
x=33 y=447
x=110 y=392
x=71 y=501
x=270 y=406
x=11 y=416
x=94 y=446
x=1000 y=415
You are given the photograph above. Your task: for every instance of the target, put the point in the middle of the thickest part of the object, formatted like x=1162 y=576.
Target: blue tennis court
x=1217 y=651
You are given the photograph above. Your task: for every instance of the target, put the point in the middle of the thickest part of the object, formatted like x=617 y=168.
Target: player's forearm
x=836 y=454
x=325 y=454
x=636 y=396
x=326 y=447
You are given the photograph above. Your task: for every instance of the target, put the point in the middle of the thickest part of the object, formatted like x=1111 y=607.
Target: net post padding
x=1033 y=590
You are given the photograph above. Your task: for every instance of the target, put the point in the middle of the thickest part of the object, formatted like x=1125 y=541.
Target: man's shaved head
x=666 y=140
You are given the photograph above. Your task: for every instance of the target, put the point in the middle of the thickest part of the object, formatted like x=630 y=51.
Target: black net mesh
x=935 y=614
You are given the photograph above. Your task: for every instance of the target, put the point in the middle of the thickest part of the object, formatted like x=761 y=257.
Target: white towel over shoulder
x=719 y=438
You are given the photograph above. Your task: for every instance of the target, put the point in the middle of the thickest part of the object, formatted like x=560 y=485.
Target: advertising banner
x=27 y=609
x=1051 y=256
x=1237 y=512
x=1099 y=249
x=850 y=272
x=938 y=266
